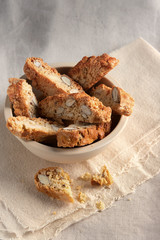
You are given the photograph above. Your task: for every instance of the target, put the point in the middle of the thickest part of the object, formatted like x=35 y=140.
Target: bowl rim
x=70 y=151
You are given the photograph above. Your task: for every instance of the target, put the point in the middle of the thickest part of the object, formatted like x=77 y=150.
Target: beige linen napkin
x=132 y=158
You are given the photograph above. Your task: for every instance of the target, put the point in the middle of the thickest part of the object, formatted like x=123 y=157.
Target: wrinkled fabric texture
x=65 y=31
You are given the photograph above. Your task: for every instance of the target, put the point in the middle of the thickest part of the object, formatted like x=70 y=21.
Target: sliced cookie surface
x=37 y=129
x=47 y=79
x=78 y=107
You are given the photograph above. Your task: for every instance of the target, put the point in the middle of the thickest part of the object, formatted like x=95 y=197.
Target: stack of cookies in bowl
x=74 y=109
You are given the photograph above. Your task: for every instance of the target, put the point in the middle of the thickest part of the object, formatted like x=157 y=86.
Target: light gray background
x=66 y=30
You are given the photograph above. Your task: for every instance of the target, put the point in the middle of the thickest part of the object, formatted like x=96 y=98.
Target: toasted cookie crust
x=115 y=97
x=92 y=69
x=22 y=97
x=47 y=79
x=81 y=134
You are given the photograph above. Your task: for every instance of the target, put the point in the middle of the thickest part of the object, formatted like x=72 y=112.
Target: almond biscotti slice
x=115 y=97
x=22 y=97
x=90 y=70
x=47 y=79
x=81 y=134
x=37 y=129
x=54 y=182
x=78 y=107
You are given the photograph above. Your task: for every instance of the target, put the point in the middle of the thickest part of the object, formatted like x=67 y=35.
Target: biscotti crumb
x=78 y=188
x=82 y=197
x=104 y=178
x=87 y=176
x=100 y=205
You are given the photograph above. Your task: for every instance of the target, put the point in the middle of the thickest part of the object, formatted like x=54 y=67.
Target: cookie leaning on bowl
x=78 y=107
x=47 y=79
x=92 y=69
x=22 y=97
x=115 y=97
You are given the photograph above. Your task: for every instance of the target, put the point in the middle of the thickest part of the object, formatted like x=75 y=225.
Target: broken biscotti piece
x=54 y=182
x=47 y=79
x=37 y=129
x=78 y=107
x=104 y=178
x=81 y=134
x=115 y=97
x=22 y=97
x=90 y=70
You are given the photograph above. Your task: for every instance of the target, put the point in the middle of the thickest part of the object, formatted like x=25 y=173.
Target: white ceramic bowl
x=72 y=155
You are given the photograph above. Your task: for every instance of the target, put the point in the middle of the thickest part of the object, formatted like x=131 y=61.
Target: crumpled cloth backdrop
x=138 y=73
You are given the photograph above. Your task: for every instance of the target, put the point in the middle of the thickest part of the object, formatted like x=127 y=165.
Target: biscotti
x=37 y=129
x=22 y=97
x=54 y=182
x=115 y=97
x=90 y=70
x=78 y=107
x=47 y=79
x=81 y=134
